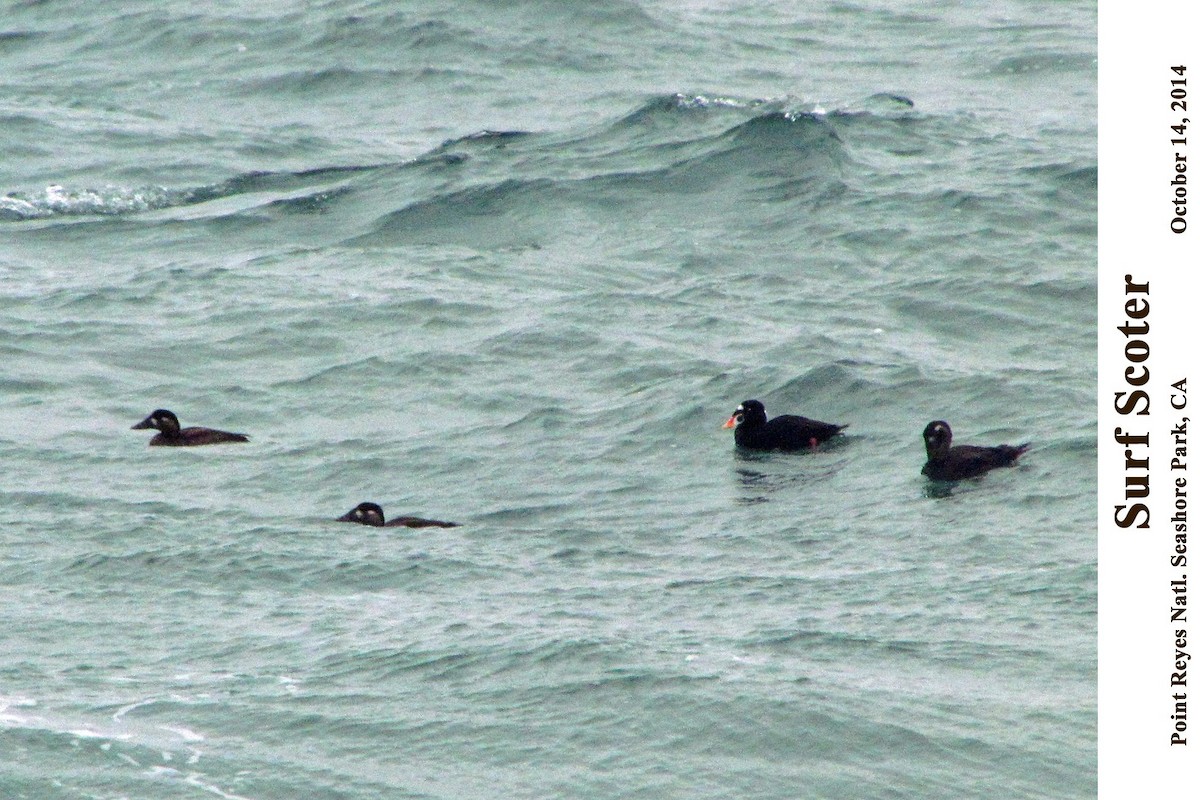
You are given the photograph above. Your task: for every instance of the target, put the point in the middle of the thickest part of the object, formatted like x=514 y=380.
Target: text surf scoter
x=372 y=514
x=752 y=429
x=171 y=435
x=963 y=461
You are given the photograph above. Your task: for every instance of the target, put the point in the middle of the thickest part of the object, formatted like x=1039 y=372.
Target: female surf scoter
x=751 y=429
x=963 y=461
x=171 y=435
x=372 y=514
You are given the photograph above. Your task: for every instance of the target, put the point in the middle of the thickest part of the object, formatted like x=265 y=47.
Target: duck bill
x=731 y=422
x=347 y=517
x=145 y=424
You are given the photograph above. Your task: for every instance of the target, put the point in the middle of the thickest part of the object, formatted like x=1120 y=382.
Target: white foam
x=121 y=712
x=183 y=733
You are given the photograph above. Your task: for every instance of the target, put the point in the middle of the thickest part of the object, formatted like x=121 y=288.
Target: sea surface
x=513 y=265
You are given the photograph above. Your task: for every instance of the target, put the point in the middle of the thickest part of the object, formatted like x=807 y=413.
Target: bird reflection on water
x=761 y=475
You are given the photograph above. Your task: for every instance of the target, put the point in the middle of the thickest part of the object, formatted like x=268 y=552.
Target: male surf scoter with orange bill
x=963 y=461
x=372 y=514
x=171 y=435
x=752 y=429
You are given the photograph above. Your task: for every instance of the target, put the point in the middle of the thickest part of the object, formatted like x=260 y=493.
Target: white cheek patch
x=358 y=512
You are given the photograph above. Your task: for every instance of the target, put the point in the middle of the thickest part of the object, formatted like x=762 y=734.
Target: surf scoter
x=753 y=430
x=963 y=461
x=171 y=435
x=372 y=514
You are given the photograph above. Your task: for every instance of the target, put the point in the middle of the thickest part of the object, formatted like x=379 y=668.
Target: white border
x=1138 y=43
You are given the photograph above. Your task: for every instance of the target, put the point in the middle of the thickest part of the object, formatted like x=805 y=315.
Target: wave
x=1038 y=63
x=302 y=189
x=518 y=189
x=703 y=154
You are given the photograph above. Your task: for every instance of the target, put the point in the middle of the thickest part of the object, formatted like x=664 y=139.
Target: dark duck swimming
x=372 y=514
x=752 y=429
x=963 y=461
x=171 y=435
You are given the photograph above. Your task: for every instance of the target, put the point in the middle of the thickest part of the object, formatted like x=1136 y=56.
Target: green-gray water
x=513 y=265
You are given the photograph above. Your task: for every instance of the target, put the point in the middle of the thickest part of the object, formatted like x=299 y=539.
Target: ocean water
x=514 y=264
